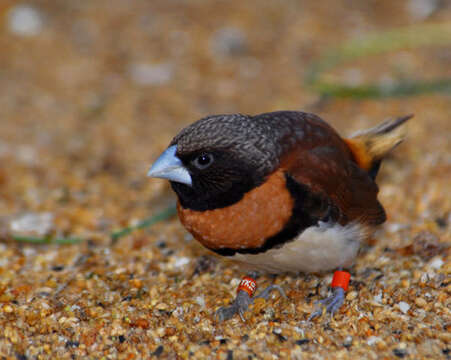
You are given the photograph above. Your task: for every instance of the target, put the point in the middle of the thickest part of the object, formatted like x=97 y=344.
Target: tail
x=370 y=146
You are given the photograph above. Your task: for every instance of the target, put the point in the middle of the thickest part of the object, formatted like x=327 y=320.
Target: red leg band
x=341 y=279
x=247 y=284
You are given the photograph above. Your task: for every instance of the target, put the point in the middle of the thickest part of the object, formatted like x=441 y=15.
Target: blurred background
x=92 y=91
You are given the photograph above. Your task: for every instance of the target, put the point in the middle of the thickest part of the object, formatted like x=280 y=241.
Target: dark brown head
x=216 y=160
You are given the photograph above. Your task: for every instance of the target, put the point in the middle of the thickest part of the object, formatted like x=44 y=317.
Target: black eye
x=203 y=161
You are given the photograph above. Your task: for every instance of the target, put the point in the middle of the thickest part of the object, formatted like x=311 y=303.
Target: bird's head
x=216 y=160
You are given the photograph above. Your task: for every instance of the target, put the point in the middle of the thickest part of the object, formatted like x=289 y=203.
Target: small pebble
x=436 y=263
x=228 y=41
x=269 y=313
x=351 y=295
x=150 y=74
x=403 y=306
x=420 y=302
x=161 y=244
x=24 y=20
x=37 y=224
x=200 y=300
x=302 y=341
x=8 y=309
x=373 y=340
x=279 y=335
x=400 y=352
x=181 y=261
x=378 y=298
x=421 y=9
x=72 y=344
x=441 y=222
x=58 y=268
x=158 y=351
x=347 y=341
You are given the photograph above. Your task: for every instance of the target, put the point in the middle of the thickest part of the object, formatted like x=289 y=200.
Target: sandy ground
x=92 y=91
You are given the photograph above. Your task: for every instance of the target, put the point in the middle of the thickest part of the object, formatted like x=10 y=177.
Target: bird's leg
x=340 y=283
x=244 y=298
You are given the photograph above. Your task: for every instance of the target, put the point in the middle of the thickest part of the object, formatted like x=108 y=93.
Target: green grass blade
x=46 y=240
x=405 y=38
x=166 y=214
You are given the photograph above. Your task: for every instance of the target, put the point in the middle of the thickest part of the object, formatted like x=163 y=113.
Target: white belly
x=318 y=248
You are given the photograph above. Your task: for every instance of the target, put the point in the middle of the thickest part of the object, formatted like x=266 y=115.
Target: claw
x=315 y=314
x=265 y=293
x=242 y=302
x=332 y=303
x=241 y=312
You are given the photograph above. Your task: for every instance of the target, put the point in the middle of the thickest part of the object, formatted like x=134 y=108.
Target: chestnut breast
x=260 y=214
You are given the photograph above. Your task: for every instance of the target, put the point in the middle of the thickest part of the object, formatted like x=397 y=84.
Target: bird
x=281 y=192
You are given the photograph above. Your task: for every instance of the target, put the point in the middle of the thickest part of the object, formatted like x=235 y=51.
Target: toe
x=241 y=313
x=315 y=314
x=225 y=313
x=239 y=306
x=332 y=303
x=265 y=293
x=337 y=301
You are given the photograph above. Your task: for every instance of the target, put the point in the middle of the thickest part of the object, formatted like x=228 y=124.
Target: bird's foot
x=244 y=299
x=239 y=306
x=340 y=283
x=331 y=304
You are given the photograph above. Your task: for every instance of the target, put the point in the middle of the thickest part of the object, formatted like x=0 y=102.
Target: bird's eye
x=203 y=161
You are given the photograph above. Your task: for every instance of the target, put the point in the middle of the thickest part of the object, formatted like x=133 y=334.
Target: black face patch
x=222 y=183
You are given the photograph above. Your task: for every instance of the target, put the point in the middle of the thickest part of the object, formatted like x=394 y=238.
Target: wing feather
x=326 y=166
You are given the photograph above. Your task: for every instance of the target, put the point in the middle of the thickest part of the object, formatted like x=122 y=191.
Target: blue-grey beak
x=169 y=166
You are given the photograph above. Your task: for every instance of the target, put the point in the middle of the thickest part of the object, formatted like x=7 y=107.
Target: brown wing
x=323 y=162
